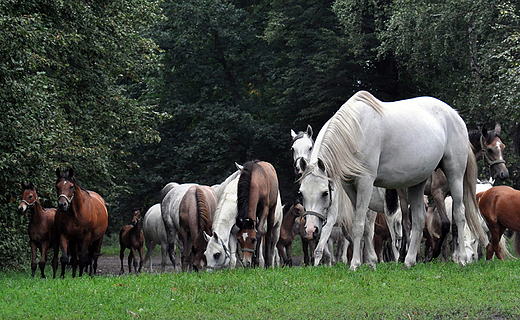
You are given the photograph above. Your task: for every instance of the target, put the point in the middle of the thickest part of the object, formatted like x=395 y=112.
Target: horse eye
x=310 y=149
x=325 y=194
x=489 y=150
x=253 y=240
x=216 y=255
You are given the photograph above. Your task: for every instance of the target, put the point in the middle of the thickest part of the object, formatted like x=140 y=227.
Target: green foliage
x=71 y=73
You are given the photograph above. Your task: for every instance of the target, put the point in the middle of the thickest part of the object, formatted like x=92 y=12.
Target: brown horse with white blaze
x=42 y=229
x=131 y=237
x=196 y=212
x=81 y=221
x=257 y=200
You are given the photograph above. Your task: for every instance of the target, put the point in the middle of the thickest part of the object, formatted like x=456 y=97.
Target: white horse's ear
x=239 y=167
x=497 y=128
x=309 y=130
x=293 y=134
x=206 y=236
x=321 y=165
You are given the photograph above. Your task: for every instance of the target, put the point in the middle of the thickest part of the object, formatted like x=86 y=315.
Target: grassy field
x=482 y=290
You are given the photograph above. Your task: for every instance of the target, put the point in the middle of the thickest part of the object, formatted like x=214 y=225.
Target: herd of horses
x=364 y=185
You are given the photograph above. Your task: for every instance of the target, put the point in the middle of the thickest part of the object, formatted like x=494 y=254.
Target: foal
x=42 y=229
x=287 y=232
x=131 y=237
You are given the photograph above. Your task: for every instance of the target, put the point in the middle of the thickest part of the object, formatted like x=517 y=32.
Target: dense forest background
x=134 y=94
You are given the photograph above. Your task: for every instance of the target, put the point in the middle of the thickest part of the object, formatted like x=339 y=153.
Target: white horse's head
x=217 y=252
x=301 y=147
x=316 y=192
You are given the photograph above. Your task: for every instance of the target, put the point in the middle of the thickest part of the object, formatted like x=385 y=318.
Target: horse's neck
x=78 y=200
x=318 y=143
x=219 y=188
x=37 y=213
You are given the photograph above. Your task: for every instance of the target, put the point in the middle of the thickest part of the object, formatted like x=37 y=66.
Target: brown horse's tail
x=470 y=200
x=516 y=243
x=202 y=211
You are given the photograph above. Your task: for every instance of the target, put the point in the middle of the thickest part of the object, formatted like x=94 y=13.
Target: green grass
x=481 y=290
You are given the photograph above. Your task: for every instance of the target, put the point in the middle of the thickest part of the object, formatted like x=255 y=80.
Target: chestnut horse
x=131 y=237
x=287 y=231
x=500 y=207
x=42 y=229
x=257 y=200
x=196 y=212
x=81 y=221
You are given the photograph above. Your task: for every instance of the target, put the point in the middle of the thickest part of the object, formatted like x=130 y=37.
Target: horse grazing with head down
x=81 y=221
x=131 y=237
x=257 y=201
x=196 y=212
x=42 y=229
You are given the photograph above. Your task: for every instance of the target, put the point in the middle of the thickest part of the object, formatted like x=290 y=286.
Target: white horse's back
x=155 y=234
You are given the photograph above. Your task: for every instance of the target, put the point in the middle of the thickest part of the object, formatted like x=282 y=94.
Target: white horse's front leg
x=364 y=193
x=324 y=238
x=233 y=244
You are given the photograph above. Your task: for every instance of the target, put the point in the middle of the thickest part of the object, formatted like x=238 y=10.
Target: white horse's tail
x=503 y=246
x=470 y=200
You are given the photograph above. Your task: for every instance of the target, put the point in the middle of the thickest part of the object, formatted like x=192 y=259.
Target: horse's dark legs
x=34 y=252
x=281 y=252
x=121 y=257
x=43 y=258
x=140 y=250
x=305 y=247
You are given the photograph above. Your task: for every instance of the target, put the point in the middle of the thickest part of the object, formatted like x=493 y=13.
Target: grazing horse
x=42 y=229
x=363 y=144
x=287 y=231
x=131 y=237
x=500 y=207
x=154 y=234
x=257 y=199
x=196 y=212
x=81 y=221
x=170 y=209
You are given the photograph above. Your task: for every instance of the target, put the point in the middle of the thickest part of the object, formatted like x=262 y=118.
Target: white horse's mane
x=219 y=188
x=339 y=148
x=225 y=219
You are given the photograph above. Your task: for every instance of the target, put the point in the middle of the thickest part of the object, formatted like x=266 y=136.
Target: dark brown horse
x=308 y=245
x=500 y=207
x=257 y=200
x=42 y=229
x=486 y=143
x=81 y=222
x=131 y=237
x=288 y=232
x=196 y=212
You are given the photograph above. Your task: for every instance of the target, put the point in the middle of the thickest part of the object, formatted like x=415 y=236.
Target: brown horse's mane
x=202 y=210
x=244 y=190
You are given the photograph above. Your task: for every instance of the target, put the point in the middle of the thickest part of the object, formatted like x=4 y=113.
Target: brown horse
x=131 y=237
x=500 y=207
x=81 y=222
x=42 y=229
x=196 y=212
x=288 y=232
x=257 y=200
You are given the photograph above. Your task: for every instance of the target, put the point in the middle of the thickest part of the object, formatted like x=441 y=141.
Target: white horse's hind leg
x=459 y=256
x=370 y=252
x=418 y=211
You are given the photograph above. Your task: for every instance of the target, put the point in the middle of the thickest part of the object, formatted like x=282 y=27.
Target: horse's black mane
x=244 y=188
x=475 y=134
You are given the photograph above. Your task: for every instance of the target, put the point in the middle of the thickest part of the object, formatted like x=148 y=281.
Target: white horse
x=154 y=234
x=393 y=145
x=170 y=208
x=302 y=149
